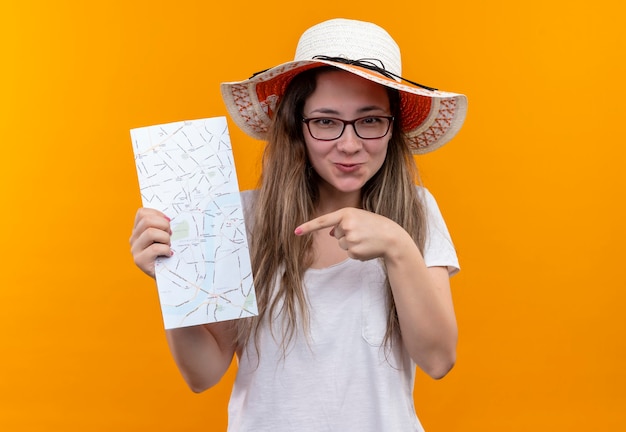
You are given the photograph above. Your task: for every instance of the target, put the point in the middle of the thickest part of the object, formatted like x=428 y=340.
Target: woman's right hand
x=150 y=239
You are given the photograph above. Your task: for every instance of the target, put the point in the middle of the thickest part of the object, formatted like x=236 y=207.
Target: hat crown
x=350 y=39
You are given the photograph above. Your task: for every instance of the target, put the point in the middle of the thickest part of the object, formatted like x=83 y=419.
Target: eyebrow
x=365 y=109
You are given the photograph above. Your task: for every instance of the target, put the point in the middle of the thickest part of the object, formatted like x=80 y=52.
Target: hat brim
x=429 y=118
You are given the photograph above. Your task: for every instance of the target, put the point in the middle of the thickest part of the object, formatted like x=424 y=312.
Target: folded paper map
x=186 y=170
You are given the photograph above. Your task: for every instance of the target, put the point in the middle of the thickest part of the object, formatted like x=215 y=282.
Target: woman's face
x=348 y=162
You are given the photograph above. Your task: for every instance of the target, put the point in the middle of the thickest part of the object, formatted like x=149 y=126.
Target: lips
x=347 y=167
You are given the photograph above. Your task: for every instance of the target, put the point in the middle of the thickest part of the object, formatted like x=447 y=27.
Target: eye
x=325 y=122
x=371 y=121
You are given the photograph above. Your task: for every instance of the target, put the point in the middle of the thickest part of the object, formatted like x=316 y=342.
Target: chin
x=348 y=189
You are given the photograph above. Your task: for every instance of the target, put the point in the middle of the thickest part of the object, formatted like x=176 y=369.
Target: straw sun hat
x=430 y=118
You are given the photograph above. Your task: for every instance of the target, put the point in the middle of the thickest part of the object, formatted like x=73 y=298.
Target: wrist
x=401 y=248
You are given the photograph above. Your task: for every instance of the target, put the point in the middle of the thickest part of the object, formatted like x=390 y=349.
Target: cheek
x=316 y=149
x=309 y=149
x=380 y=151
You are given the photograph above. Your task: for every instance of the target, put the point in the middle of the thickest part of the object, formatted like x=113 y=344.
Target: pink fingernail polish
x=298 y=231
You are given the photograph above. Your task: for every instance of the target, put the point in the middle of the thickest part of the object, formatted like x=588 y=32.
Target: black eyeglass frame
x=345 y=123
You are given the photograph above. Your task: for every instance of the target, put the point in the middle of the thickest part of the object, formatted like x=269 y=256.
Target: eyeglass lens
x=327 y=128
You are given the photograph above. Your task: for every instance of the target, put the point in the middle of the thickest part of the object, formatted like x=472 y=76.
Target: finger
x=343 y=243
x=149 y=218
x=144 y=213
x=337 y=232
x=148 y=238
x=325 y=221
x=153 y=243
x=146 y=260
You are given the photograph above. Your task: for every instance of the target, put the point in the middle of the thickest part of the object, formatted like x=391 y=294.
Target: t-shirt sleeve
x=439 y=249
x=248 y=199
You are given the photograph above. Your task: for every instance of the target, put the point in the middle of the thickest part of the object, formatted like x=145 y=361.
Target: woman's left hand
x=421 y=294
x=363 y=234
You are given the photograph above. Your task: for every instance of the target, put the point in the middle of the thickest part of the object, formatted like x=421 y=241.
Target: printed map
x=186 y=170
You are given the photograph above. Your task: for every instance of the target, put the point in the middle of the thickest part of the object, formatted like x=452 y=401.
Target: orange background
x=532 y=190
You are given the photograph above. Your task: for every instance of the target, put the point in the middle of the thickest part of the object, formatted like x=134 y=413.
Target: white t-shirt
x=339 y=377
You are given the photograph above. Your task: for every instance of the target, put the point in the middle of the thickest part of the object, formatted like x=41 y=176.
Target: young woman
x=351 y=260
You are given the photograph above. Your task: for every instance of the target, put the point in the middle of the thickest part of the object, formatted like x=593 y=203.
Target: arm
x=421 y=294
x=202 y=353
x=424 y=304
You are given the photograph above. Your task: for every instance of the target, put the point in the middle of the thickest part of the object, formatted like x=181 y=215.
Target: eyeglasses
x=329 y=128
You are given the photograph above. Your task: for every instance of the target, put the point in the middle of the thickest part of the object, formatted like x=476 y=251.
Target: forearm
x=202 y=353
x=425 y=310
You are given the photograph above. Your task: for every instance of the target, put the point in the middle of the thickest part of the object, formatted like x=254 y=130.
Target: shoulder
x=248 y=197
x=425 y=196
x=439 y=249
x=432 y=211
x=248 y=200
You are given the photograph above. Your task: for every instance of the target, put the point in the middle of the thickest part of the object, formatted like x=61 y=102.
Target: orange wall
x=532 y=189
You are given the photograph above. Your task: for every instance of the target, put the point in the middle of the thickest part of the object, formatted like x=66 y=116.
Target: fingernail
x=298 y=231
x=171 y=252
x=168 y=219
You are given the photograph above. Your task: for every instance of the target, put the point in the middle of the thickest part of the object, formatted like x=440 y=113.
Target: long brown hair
x=287 y=196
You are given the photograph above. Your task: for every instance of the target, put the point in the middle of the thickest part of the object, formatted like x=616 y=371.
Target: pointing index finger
x=325 y=221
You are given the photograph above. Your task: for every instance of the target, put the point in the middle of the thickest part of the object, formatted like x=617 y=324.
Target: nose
x=349 y=142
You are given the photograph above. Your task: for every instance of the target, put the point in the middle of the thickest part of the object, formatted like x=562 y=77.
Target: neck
x=331 y=200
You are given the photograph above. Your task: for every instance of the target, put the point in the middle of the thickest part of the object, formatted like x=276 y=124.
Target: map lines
x=186 y=170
